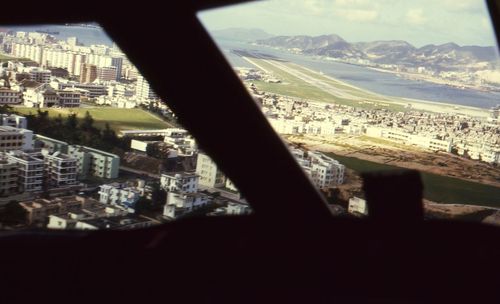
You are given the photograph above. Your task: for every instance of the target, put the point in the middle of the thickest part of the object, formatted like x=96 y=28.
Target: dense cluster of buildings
x=33 y=164
x=477 y=138
x=47 y=72
x=50 y=174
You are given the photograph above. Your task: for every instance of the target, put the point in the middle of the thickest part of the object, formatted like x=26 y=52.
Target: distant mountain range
x=241 y=34
x=449 y=56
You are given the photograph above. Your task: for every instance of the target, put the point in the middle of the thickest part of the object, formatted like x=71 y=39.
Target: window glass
x=357 y=86
x=87 y=144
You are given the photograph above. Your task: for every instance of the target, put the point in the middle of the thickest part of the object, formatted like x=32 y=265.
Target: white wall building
x=180 y=181
x=404 y=137
x=357 y=205
x=182 y=203
x=324 y=171
x=210 y=175
x=40 y=75
x=61 y=170
x=9 y=96
x=31 y=170
x=118 y=194
x=144 y=93
x=13 y=120
x=15 y=139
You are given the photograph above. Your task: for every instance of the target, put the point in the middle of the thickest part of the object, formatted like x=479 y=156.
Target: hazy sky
x=420 y=22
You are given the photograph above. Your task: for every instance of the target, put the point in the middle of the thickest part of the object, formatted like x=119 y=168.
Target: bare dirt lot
x=386 y=152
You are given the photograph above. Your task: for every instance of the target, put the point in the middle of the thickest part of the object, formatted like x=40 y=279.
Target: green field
x=437 y=188
x=4 y=57
x=118 y=119
x=296 y=87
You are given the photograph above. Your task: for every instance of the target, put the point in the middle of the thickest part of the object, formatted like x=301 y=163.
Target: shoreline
x=479 y=111
x=417 y=104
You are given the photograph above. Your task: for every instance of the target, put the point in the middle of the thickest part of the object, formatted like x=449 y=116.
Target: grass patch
x=296 y=87
x=118 y=119
x=437 y=188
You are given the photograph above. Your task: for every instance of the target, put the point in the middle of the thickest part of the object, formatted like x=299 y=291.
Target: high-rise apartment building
x=144 y=92
x=107 y=73
x=88 y=73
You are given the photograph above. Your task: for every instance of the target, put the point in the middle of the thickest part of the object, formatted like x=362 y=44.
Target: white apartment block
x=93 y=162
x=61 y=169
x=94 y=90
x=180 y=181
x=237 y=208
x=325 y=172
x=8 y=176
x=402 y=136
x=41 y=96
x=181 y=203
x=484 y=152
x=289 y=126
x=143 y=92
x=9 y=96
x=15 y=139
x=357 y=205
x=13 y=120
x=181 y=140
x=69 y=98
x=40 y=75
x=118 y=194
x=30 y=170
x=210 y=175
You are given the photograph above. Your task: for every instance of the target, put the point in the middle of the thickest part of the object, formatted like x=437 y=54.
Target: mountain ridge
x=446 y=56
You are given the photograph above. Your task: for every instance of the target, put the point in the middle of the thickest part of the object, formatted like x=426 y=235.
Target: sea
x=379 y=82
x=85 y=35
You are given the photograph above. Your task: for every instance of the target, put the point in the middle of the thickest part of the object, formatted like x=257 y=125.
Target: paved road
x=150 y=174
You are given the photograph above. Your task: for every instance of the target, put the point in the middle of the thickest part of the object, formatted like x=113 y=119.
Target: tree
x=13 y=213
x=71 y=133
x=152 y=150
x=87 y=123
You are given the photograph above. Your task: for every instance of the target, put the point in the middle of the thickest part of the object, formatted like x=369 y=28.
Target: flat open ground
x=299 y=81
x=437 y=188
x=118 y=119
x=4 y=57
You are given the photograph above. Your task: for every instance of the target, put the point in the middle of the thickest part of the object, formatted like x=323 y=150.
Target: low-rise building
x=10 y=97
x=93 y=90
x=93 y=162
x=30 y=170
x=325 y=172
x=13 y=120
x=15 y=139
x=50 y=144
x=39 y=210
x=210 y=175
x=69 y=98
x=40 y=75
x=61 y=169
x=119 y=194
x=8 y=177
x=180 y=203
x=234 y=208
x=404 y=137
x=180 y=181
x=357 y=205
